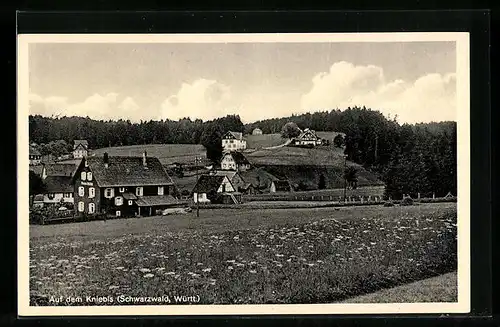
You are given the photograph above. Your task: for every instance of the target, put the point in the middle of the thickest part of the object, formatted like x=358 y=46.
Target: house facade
x=35 y=157
x=80 y=149
x=122 y=186
x=307 y=137
x=233 y=141
x=257 y=131
x=233 y=176
x=59 y=190
x=234 y=160
x=210 y=186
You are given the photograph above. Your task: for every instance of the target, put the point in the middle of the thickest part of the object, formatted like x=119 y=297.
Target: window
x=83 y=176
x=138 y=191
x=91 y=192
x=231 y=141
x=50 y=195
x=129 y=202
x=160 y=190
x=89 y=176
x=81 y=191
x=81 y=206
x=86 y=163
x=118 y=201
x=122 y=189
x=108 y=193
x=118 y=213
x=67 y=195
x=91 y=207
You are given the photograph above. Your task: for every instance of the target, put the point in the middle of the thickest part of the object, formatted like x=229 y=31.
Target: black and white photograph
x=243 y=173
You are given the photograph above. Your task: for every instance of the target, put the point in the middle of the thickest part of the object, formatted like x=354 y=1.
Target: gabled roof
x=235 y=135
x=238 y=157
x=157 y=200
x=128 y=171
x=229 y=173
x=307 y=132
x=281 y=185
x=60 y=169
x=208 y=183
x=83 y=143
x=129 y=196
x=58 y=184
x=34 y=152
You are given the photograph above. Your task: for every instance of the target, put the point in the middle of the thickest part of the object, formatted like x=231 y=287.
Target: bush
x=407 y=201
x=388 y=204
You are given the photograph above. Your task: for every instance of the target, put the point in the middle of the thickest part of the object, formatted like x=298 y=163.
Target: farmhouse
x=257 y=131
x=307 y=137
x=35 y=157
x=213 y=188
x=59 y=190
x=122 y=186
x=235 y=178
x=280 y=186
x=233 y=141
x=234 y=161
x=80 y=149
x=58 y=169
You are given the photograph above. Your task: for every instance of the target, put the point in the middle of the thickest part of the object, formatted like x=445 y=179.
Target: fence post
x=433 y=195
x=362 y=199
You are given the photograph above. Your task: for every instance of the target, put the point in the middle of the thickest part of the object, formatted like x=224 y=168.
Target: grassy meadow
x=229 y=256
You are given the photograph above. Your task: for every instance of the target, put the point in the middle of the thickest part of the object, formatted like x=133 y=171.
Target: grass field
x=246 y=256
x=269 y=140
x=435 y=289
x=167 y=153
x=321 y=195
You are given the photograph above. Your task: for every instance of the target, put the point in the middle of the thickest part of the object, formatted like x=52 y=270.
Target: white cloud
x=430 y=97
x=96 y=106
x=204 y=99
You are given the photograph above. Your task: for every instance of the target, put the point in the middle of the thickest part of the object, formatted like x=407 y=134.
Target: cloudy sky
x=414 y=80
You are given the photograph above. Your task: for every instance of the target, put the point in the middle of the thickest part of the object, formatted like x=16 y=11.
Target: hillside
x=270 y=140
x=305 y=166
x=167 y=153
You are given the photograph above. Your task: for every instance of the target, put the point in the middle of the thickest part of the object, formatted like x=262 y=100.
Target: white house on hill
x=234 y=161
x=233 y=141
x=307 y=137
x=257 y=131
x=80 y=149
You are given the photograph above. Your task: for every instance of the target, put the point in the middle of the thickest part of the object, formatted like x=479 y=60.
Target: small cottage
x=59 y=189
x=215 y=189
x=233 y=141
x=235 y=177
x=307 y=137
x=234 y=161
x=280 y=186
x=257 y=131
x=35 y=157
x=80 y=148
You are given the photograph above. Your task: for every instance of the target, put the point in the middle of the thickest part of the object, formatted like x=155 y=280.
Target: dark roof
x=38 y=198
x=246 y=186
x=58 y=184
x=307 y=131
x=34 y=152
x=128 y=171
x=77 y=143
x=157 y=200
x=129 y=196
x=236 y=135
x=239 y=158
x=282 y=185
x=60 y=169
x=208 y=183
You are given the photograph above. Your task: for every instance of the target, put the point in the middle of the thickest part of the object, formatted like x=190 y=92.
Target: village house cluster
x=128 y=186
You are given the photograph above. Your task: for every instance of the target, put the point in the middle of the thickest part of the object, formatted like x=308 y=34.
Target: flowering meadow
x=322 y=259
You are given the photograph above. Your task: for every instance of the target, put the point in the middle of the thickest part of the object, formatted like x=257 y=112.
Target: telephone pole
x=196 y=161
x=345 y=177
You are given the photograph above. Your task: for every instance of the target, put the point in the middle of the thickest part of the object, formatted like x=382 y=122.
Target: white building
x=233 y=141
x=80 y=149
x=257 y=131
x=234 y=161
x=209 y=185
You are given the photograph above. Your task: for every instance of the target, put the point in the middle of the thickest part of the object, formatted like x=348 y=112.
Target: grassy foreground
x=435 y=289
x=272 y=256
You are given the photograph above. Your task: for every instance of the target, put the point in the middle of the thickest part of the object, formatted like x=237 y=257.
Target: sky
x=414 y=80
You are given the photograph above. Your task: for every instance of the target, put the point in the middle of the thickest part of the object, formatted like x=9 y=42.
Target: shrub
x=407 y=201
x=388 y=203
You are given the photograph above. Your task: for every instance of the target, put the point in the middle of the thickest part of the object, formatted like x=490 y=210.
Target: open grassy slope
x=167 y=153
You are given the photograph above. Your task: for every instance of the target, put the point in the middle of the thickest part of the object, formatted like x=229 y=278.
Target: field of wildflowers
x=320 y=260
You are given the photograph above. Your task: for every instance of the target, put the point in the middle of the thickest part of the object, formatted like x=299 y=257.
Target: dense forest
x=410 y=159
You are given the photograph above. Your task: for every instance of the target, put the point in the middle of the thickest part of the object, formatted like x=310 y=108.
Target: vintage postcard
x=243 y=174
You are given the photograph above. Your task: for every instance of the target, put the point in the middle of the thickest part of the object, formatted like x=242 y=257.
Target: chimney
x=106 y=160
x=144 y=161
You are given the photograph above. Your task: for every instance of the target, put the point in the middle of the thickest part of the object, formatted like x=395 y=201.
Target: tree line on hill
x=410 y=159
